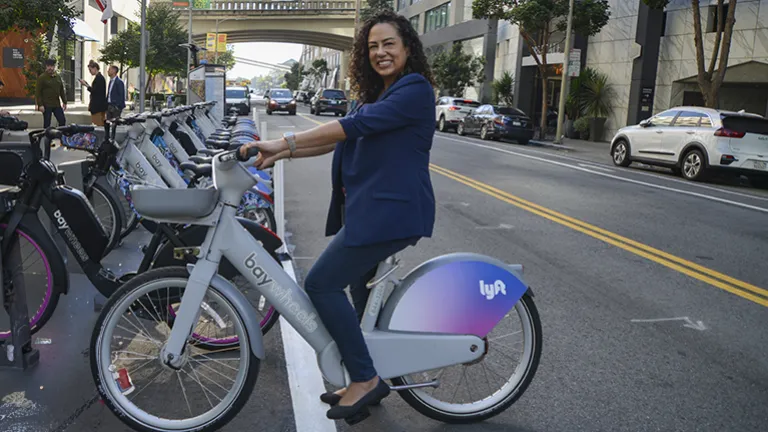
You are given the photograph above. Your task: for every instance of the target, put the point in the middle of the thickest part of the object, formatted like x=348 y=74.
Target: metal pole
x=216 y=44
x=189 y=41
x=565 y=77
x=143 y=55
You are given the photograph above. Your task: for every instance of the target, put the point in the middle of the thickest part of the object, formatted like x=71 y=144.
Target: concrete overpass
x=327 y=24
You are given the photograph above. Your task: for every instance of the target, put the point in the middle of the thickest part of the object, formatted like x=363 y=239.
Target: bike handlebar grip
x=249 y=153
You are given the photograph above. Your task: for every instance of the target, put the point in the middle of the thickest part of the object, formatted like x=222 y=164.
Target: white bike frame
x=394 y=353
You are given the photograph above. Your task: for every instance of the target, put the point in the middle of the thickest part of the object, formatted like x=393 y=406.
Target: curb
x=548 y=144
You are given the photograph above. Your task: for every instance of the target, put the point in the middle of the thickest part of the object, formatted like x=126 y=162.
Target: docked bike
x=41 y=186
x=449 y=321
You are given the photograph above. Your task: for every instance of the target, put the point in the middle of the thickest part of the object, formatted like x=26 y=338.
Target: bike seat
x=201 y=159
x=181 y=204
x=209 y=152
x=201 y=170
x=219 y=144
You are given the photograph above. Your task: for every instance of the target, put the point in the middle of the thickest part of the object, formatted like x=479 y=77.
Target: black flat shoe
x=359 y=411
x=333 y=399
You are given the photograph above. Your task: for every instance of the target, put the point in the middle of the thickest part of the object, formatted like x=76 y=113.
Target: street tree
x=539 y=21
x=375 y=6
x=123 y=49
x=456 y=70
x=318 y=70
x=293 y=78
x=503 y=89
x=164 y=55
x=709 y=79
x=226 y=58
x=34 y=16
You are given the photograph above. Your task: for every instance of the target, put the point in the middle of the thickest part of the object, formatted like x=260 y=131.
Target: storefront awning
x=83 y=31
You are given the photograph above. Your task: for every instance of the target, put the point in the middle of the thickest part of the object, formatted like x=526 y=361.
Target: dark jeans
x=337 y=267
x=58 y=112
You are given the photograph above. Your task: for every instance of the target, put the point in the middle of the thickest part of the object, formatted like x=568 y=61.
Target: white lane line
x=597 y=167
x=638 y=182
x=304 y=378
x=633 y=171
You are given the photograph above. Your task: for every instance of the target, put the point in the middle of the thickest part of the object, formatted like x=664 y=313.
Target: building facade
x=333 y=58
x=80 y=44
x=647 y=55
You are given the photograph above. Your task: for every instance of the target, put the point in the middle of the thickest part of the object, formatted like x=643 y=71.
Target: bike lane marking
x=712 y=277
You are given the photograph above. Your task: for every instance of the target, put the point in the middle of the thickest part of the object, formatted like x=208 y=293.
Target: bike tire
x=419 y=404
x=116 y=211
x=39 y=317
x=96 y=367
x=133 y=222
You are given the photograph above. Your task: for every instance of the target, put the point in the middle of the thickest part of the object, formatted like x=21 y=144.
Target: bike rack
x=19 y=354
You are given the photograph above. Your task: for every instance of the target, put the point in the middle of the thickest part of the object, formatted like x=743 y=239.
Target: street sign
x=210 y=42
x=574 y=63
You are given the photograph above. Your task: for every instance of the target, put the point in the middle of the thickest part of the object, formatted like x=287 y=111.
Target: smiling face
x=386 y=52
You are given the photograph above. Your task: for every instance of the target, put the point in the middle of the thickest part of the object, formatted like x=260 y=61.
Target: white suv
x=694 y=141
x=450 y=110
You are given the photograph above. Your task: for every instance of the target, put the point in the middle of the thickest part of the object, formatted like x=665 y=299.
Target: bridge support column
x=343 y=68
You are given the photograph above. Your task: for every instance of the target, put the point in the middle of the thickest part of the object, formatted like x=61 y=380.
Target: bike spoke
x=184 y=392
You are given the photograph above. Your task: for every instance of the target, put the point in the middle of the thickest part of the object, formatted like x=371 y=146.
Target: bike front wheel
x=209 y=388
x=512 y=352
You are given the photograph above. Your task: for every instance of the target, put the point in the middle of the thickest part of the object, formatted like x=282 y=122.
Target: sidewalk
x=76 y=113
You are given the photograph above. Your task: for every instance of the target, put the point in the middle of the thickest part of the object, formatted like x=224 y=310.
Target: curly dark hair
x=366 y=82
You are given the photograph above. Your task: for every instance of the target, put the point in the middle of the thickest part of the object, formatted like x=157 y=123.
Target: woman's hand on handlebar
x=270 y=152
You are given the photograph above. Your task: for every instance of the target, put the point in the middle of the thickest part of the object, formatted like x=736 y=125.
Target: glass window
x=415 y=23
x=664 y=119
x=437 y=18
x=706 y=122
x=334 y=94
x=688 y=119
x=236 y=93
x=509 y=111
x=466 y=103
x=279 y=93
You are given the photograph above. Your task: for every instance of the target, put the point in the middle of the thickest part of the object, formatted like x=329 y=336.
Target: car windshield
x=507 y=111
x=466 y=103
x=280 y=94
x=236 y=93
x=334 y=94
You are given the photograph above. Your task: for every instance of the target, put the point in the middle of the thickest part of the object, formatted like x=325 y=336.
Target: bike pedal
x=358 y=417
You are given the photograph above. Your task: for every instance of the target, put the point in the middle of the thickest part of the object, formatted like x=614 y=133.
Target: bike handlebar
x=250 y=152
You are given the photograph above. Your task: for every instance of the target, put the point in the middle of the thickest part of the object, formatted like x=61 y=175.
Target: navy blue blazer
x=383 y=166
x=118 y=93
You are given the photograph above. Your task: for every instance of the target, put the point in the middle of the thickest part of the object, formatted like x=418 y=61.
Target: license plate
x=282 y=106
x=760 y=165
x=514 y=123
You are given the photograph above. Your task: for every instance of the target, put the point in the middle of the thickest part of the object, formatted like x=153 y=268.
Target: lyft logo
x=493 y=289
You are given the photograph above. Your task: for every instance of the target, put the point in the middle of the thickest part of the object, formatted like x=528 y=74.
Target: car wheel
x=620 y=153
x=292 y=113
x=522 y=141
x=484 y=132
x=758 y=181
x=694 y=165
x=317 y=111
x=460 y=129
x=269 y=112
x=441 y=124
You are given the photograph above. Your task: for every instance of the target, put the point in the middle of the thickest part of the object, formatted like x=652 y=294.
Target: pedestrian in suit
x=49 y=89
x=115 y=94
x=98 y=89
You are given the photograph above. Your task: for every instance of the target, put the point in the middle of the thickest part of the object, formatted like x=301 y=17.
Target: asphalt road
x=601 y=247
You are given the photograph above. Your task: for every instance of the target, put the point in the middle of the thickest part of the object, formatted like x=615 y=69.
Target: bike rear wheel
x=127 y=339
x=42 y=296
x=473 y=405
x=109 y=213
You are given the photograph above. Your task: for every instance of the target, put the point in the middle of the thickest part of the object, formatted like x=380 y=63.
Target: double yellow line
x=704 y=274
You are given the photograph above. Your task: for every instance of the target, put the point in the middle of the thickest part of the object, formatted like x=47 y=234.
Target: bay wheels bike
x=42 y=265
x=459 y=337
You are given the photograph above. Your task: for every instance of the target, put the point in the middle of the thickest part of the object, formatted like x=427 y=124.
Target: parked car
x=240 y=98
x=696 y=141
x=280 y=99
x=496 y=122
x=329 y=100
x=450 y=110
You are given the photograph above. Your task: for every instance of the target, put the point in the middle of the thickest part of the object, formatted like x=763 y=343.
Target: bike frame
x=226 y=238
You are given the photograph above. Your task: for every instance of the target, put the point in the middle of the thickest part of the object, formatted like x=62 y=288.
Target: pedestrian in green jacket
x=49 y=89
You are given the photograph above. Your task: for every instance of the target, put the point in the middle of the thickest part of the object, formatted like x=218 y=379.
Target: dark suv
x=280 y=99
x=329 y=100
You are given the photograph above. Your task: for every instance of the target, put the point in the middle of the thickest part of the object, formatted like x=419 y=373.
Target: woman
x=382 y=199
x=98 y=104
